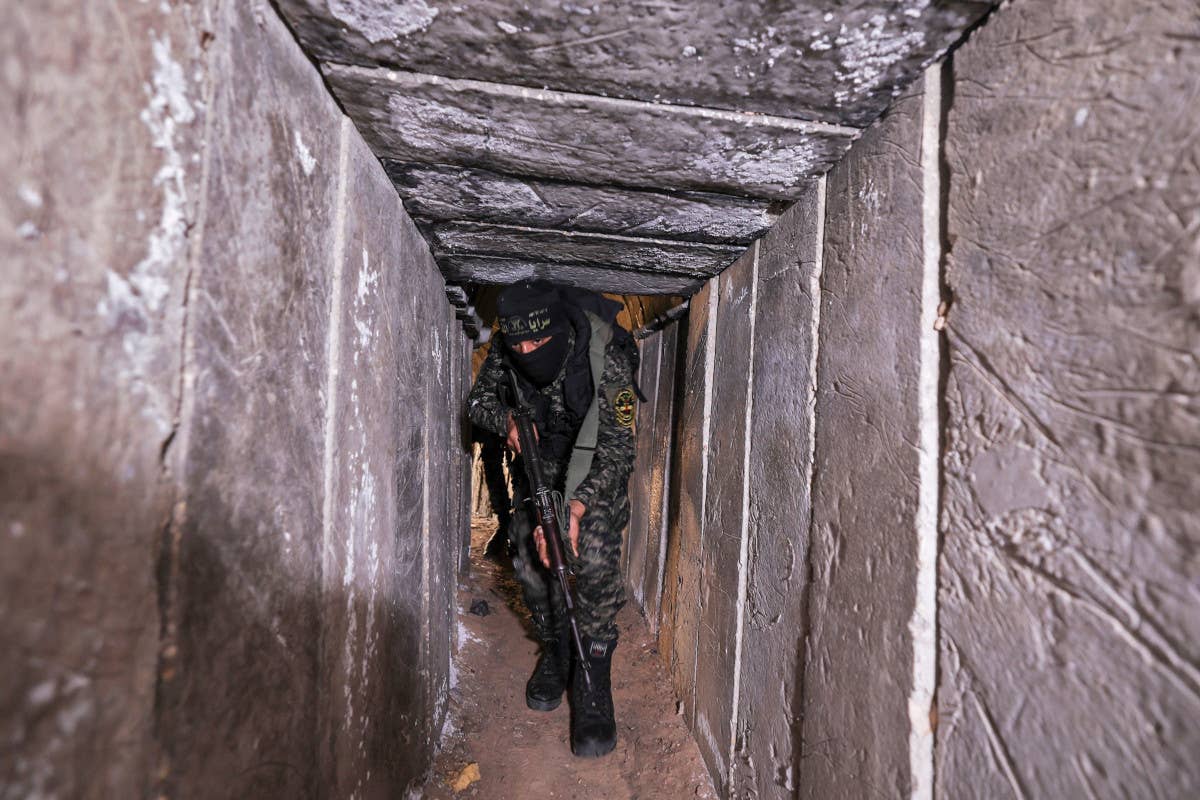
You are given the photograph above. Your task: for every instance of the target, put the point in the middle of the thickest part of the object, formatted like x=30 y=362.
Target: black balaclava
x=532 y=310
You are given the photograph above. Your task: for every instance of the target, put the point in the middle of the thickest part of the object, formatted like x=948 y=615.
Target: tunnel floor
x=521 y=753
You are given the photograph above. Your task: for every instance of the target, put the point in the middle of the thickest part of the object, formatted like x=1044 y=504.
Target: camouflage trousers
x=599 y=586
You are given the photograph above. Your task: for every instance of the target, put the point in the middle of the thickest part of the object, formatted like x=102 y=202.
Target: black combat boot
x=545 y=687
x=593 y=729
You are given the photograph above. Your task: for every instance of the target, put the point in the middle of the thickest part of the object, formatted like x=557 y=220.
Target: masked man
x=574 y=365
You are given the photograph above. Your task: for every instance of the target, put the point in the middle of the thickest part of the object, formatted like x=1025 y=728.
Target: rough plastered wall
x=230 y=446
x=1069 y=634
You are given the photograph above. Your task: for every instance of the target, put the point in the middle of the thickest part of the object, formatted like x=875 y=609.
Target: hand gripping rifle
x=548 y=507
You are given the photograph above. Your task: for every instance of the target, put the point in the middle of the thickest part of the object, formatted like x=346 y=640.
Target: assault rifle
x=548 y=508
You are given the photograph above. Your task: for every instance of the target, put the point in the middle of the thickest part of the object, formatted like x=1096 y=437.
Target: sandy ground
x=526 y=754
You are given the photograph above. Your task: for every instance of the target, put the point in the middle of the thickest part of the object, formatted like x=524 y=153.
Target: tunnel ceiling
x=635 y=146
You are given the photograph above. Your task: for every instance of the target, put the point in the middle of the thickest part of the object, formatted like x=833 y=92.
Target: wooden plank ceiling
x=633 y=146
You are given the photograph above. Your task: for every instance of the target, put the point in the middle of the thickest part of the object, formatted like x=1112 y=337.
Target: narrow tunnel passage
x=914 y=507
x=522 y=753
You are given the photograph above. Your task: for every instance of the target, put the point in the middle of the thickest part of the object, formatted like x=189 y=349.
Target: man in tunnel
x=575 y=366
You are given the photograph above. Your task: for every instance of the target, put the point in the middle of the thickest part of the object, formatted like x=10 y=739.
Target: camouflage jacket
x=613 y=458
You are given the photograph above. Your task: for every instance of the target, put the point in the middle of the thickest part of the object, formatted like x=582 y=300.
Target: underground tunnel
x=916 y=294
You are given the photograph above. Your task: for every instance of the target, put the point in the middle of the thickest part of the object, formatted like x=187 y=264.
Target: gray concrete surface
x=492 y=271
x=767 y=736
x=218 y=325
x=231 y=447
x=240 y=576
x=650 y=484
x=836 y=61
x=635 y=119
x=1063 y=217
x=92 y=252
x=386 y=573
x=640 y=254
x=588 y=139
x=863 y=546
x=718 y=637
x=436 y=192
x=1068 y=583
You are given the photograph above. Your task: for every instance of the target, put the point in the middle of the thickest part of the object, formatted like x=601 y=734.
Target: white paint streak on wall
x=384 y=22
x=923 y=625
x=367 y=283
x=705 y=730
x=169 y=108
x=786 y=164
x=814 y=294
x=867 y=52
x=810 y=403
x=141 y=295
x=333 y=358
x=409 y=83
x=29 y=195
x=307 y=162
x=744 y=551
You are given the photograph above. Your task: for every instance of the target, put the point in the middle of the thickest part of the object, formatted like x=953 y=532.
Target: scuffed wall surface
x=242 y=570
x=219 y=335
x=863 y=550
x=1069 y=655
x=96 y=134
x=437 y=337
x=768 y=724
x=391 y=429
x=721 y=572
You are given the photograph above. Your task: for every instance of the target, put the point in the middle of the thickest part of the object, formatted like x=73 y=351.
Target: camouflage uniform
x=598 y=584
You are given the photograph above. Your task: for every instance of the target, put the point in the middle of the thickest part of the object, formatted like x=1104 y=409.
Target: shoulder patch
x=624 y=407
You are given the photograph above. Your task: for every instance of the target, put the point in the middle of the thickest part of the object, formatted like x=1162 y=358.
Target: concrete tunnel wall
x=233 y=472
x=888 y=561
x=234 y=477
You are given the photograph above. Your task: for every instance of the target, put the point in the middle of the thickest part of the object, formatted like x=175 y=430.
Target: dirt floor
x=526 y=754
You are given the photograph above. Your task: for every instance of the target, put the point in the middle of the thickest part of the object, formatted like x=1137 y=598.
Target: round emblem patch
x=624 y=408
